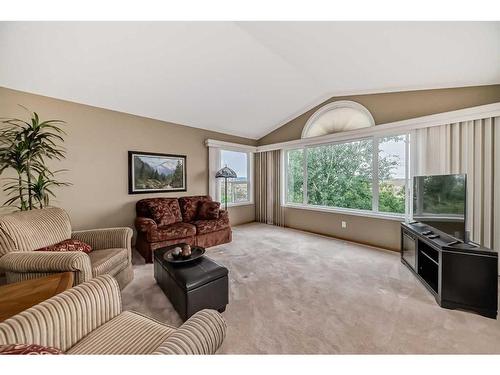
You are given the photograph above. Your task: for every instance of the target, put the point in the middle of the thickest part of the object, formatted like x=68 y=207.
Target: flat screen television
x=440 y=202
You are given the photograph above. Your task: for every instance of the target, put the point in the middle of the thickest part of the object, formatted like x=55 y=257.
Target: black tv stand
x=459 y=275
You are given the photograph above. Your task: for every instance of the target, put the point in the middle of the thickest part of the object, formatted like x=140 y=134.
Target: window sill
x=229 y=205
x=345 y=211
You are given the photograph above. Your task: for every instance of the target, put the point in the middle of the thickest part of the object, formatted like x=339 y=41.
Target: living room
x=233 y=187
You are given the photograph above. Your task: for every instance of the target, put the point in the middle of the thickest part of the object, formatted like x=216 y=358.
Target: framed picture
x=155 y=173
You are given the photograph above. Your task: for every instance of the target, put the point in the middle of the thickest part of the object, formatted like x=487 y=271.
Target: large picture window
x=340 y=175
x=366 y=174
x=392 y=174
x=295 y=177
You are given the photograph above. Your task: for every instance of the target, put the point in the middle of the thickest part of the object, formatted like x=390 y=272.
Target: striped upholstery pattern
x=87 y=319
x=203 y=333
x=128 y=333
x=32 y=264
x=23 y=232
x=6 y=243
x=108 y=261
x=66 y=318
x=106 y=238
x=124 y=277
x=20 y=231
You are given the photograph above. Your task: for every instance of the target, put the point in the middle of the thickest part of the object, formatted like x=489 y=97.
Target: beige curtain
x=268 y=207
x=471 y=147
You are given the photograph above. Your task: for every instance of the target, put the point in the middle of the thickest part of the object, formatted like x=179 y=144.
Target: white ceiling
x=242 y=78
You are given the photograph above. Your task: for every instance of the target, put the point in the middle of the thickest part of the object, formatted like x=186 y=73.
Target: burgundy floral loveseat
x=195 y=220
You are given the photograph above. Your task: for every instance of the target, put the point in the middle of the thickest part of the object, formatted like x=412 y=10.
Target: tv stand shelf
x=459 y=275
x=430 y=258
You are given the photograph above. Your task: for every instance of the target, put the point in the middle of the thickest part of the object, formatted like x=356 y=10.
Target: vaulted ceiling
x=242 y=78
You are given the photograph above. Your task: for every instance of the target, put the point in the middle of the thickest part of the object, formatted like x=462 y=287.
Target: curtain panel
x=268 y=182
x=471 y=147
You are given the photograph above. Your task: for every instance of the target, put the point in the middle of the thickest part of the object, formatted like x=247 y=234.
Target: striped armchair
x=88 y=319
x=23 y=232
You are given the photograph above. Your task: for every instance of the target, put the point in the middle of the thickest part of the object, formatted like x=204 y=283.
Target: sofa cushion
x=190 y=205
x=128 y=333
x=209 y=226
x=142 y=207
x=108 y=261
x=23 y=349
x=69 y=245
x=171 y=232
x=161 y=213
x=208 y=211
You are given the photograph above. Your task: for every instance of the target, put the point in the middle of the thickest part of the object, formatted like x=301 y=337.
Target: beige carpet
x=294 y=292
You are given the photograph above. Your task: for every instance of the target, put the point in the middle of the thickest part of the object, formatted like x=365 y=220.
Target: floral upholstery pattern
x=69 y=245
x=160 y=212
x=142 y=207
x=188 y=228
x=171 y=232
x=209 y=226
x=144 y=224
x=208 y=211
x=214 y=238
x=18 y=349
x=190 y=205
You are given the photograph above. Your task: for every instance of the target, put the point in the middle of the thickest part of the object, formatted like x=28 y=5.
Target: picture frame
x=150 y=172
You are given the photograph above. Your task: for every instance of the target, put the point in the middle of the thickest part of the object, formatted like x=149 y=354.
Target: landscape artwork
x=156 y=173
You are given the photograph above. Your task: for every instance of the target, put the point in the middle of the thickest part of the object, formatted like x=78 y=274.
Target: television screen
x=439 y=201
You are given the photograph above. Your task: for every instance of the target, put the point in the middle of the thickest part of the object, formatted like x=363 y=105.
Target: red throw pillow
x=208 y=210
x=68 y=245
x=31 y=349
x=161 y=213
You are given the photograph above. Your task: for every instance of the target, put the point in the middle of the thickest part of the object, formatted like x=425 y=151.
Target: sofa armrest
x=63 y=320
x=224 y=215
x=107 y=238
x=144 y=224
x=203 y=333
x=43 y=262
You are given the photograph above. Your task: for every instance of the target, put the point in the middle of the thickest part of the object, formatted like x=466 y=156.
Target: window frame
x=215 y=159
x=374 y=212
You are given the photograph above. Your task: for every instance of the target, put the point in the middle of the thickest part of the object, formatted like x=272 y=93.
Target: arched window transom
x=337 y=117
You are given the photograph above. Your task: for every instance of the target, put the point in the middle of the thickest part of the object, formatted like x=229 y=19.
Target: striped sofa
x=88 y=319
x=23 y=232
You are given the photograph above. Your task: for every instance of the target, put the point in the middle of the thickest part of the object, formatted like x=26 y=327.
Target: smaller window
x=239 y=188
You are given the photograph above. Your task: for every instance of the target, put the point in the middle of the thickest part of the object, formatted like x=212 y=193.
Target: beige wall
x=384 y=108
x=371 y=231
x=97 y=143
x=397 y=106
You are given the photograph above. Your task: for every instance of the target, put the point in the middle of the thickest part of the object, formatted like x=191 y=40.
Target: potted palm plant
x=25 y=147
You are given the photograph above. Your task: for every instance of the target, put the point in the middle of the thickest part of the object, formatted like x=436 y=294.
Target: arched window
x=337 y=117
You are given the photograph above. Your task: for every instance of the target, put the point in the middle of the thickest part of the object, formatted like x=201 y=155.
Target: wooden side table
x=20 y=296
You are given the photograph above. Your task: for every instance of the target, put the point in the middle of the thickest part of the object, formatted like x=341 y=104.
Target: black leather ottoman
x=202 y=284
